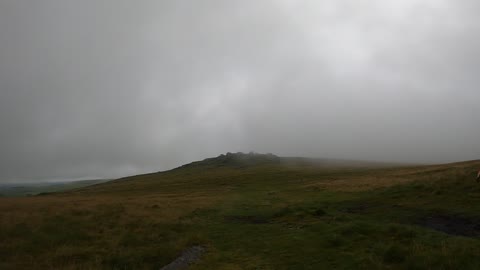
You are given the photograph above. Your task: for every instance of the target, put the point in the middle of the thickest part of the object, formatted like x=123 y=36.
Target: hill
x=251 y=211
x=235 y=160
x=255 y=159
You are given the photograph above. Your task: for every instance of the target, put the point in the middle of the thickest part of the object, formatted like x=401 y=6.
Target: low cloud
x=111 y=88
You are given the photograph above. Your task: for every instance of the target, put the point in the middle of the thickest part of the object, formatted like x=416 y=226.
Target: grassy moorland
x=258 y=212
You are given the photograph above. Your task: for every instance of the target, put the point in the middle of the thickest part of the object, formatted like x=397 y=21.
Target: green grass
x=260 y=216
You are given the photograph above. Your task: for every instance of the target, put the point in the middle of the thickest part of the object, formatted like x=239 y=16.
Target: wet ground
x=451 y=224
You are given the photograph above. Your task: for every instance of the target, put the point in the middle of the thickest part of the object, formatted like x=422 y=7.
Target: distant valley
x=31 y=189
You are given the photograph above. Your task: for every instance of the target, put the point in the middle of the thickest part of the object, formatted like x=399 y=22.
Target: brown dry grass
x=383 y=178
x=75 y=231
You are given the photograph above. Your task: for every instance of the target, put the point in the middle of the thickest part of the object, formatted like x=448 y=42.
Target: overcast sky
x=108 y=88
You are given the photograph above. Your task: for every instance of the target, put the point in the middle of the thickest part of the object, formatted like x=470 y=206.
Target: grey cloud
x=109 y=88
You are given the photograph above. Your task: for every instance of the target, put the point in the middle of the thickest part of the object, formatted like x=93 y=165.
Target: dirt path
x=188 y=257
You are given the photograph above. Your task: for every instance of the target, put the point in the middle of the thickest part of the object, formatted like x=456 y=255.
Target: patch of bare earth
x=451 y=224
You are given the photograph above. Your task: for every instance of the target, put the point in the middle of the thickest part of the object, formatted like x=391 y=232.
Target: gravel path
x=188 y=257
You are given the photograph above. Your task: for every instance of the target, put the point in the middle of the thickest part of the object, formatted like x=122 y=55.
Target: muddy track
x=452 y=224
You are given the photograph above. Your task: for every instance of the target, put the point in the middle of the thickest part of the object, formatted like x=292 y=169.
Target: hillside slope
x=251 y=212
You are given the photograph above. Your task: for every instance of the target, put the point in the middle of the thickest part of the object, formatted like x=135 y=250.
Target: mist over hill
x=242 y=160
x=238 y=159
